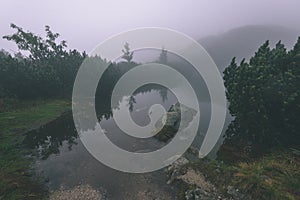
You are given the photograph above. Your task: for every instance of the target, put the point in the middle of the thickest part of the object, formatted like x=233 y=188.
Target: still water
x=64 y=162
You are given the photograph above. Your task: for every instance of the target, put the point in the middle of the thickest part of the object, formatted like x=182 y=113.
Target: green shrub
x=264 y=97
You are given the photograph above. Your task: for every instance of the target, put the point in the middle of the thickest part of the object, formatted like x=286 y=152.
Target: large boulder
x=172 y=119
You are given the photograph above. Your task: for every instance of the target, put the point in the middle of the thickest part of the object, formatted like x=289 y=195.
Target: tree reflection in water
x=49 y=138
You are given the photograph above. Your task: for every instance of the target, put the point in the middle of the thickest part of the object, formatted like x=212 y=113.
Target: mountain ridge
x=243 y=42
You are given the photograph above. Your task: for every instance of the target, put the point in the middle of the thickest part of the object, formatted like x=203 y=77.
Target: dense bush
x=264 y=97
x=49 y=69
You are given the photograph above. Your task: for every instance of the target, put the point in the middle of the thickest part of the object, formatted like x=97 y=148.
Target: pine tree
x=264 y=97
x=163 y=57
x=262 y=56
x=127 y=54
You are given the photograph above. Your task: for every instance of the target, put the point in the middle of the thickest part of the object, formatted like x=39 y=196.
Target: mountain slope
x=244 y=41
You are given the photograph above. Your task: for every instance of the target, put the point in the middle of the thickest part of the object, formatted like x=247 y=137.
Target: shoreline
x=274 y=175
x=16 y=180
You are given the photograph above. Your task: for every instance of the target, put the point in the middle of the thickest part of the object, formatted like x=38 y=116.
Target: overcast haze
x=86 y=23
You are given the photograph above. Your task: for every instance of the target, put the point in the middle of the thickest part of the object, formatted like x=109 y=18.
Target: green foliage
x=264 y=97
x=49 y=70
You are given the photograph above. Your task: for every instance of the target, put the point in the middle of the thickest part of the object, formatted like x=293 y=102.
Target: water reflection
x=49 y=138
x=67 y=163
x=65 y=160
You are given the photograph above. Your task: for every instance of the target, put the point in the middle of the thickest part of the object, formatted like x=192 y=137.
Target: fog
x=86 y=23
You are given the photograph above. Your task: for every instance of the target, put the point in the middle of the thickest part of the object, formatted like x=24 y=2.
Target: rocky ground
x=82 y=192
x=195 y=186
x=86 y=192
x=191 y=185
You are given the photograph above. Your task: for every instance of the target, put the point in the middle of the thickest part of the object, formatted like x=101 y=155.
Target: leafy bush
x=49 y=70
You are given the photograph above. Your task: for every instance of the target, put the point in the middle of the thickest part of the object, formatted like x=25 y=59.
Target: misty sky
x=86 y=23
